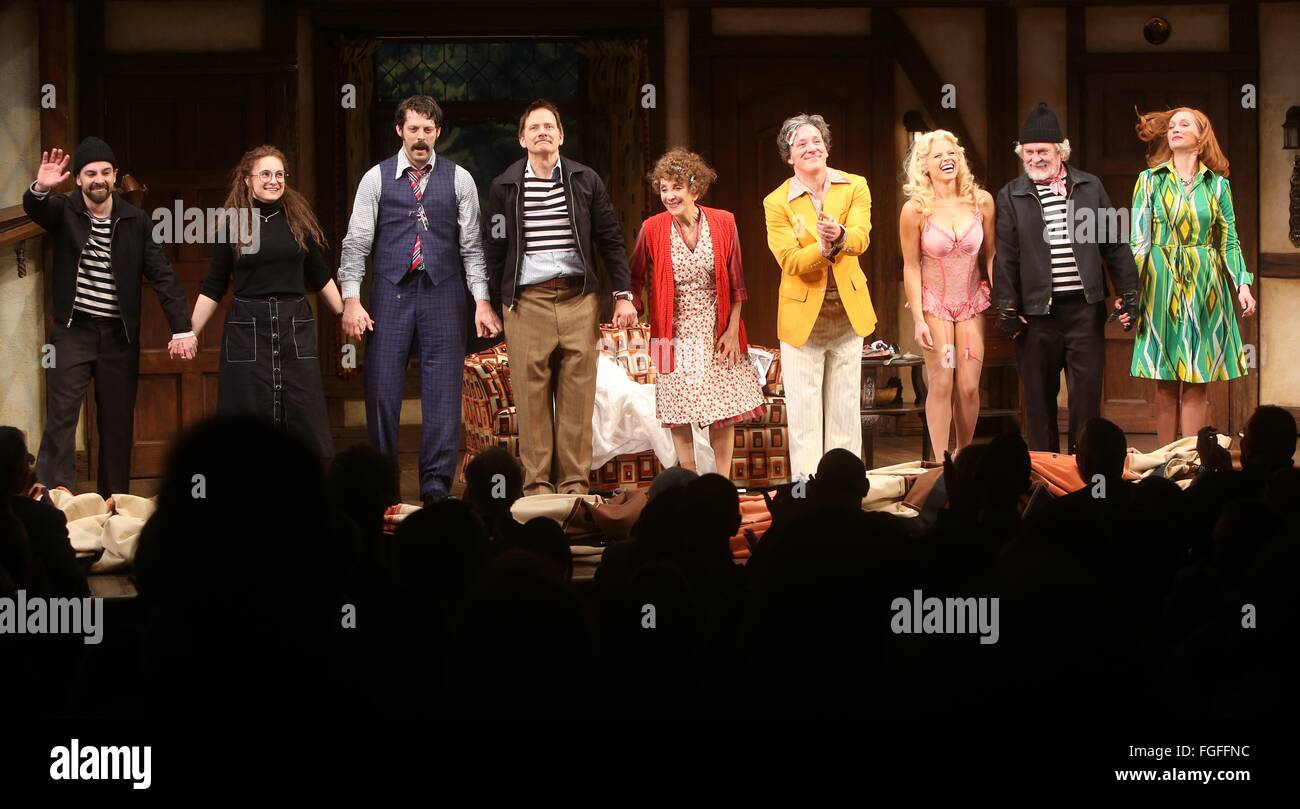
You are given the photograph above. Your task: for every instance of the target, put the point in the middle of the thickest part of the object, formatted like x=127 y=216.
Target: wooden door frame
x=1240 y=63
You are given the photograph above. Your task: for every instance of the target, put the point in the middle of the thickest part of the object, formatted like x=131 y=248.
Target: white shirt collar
x=528 y=168
x=403 y=163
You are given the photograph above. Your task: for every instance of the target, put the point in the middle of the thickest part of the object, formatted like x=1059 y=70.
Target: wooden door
x=1114 y=153
x=751 y=98
x=181 y=136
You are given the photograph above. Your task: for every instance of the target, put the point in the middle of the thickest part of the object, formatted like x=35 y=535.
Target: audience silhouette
x=266 y=585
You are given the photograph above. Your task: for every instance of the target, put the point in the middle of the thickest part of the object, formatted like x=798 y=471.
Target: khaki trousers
x=551 y=340
x=823 y=390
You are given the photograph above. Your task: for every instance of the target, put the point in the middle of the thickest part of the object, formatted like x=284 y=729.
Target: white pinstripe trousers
x=823 y=390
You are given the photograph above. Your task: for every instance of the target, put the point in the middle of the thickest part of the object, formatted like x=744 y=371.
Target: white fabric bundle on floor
x=623 y=420
x=95 y=524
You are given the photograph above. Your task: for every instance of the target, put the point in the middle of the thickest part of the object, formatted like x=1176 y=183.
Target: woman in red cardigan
x=697 y=284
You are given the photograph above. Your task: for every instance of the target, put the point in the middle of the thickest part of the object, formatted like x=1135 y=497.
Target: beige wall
x=137 y=26
x=1279 y=88
x=1118 y=29
x=1279 y=373
x=21 y=306
x=1040 y=34
x=959 y=60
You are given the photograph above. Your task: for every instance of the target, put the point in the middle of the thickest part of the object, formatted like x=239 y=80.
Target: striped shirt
x=96 y=290
x=1065 y=272
x=546 y=213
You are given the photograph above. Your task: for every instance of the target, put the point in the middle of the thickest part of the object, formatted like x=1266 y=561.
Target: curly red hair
x=1152 y=127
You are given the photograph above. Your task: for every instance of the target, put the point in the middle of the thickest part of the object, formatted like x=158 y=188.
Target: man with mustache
x=547 y=220
x=103 y=245
x=1049 y=288
x=420 y=215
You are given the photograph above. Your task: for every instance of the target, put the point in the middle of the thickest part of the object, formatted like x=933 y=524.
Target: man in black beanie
x=1049 y=287
x=103 y=245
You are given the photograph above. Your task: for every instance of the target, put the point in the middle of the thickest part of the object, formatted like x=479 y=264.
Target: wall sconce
x=914 y=123
x=1291 y=140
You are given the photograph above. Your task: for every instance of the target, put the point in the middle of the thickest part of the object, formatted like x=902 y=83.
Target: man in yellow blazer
x=818 y=223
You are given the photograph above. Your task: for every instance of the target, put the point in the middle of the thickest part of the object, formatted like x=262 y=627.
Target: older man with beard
x=1049 y=288
x=103 y=246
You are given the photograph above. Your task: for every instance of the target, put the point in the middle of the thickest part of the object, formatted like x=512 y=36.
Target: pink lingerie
x=952 y=286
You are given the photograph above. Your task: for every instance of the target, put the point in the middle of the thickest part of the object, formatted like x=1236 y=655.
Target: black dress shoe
x=435 y=496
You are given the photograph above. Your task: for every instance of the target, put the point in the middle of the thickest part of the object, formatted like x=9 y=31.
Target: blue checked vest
x=395 y=228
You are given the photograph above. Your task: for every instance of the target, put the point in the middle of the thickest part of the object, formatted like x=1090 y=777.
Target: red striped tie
x=415 y=176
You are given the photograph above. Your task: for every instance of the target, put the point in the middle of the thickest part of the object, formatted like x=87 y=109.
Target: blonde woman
x=946 y=220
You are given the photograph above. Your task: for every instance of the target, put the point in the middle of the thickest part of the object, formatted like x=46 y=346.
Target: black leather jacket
x=134 y=255
x=594 y=223
x=1022 y=281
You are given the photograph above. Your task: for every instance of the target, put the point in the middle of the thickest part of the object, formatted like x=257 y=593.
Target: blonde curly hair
x=917 y=185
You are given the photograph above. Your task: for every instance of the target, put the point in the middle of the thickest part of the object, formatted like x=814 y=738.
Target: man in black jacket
x=1049 y=287
x=103 y=245
x=545 y=222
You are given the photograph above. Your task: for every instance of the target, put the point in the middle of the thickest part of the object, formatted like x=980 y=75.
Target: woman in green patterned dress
x=1184 y=240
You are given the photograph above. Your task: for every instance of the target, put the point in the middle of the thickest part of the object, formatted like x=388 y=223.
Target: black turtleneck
x=280 y=267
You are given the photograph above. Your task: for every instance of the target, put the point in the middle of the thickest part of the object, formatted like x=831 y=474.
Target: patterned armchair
x=761 y=457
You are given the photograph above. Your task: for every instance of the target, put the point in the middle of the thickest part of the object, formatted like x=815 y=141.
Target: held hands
x=1246 y=299
x=53 y=171
x=486 y=322
x=1122 y=314
x=356 y=322
x=1011 y=323
x=624 y=314
x=185 y=348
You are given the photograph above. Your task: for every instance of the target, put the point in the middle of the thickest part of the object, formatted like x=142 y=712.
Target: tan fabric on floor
x=1184 y=449
x=557 y=507
x=111 y=526
x=890 y=484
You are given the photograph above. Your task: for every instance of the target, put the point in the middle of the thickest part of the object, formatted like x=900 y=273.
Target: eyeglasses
x=267 y=176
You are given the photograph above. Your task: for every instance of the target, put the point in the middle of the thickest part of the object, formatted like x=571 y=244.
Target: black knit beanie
x=1041 y=126
x=92 y=150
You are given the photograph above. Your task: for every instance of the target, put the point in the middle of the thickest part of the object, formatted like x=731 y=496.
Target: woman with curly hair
x=946 y=220
x=269 y=364
x=697 y=286
x=1184 y=240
